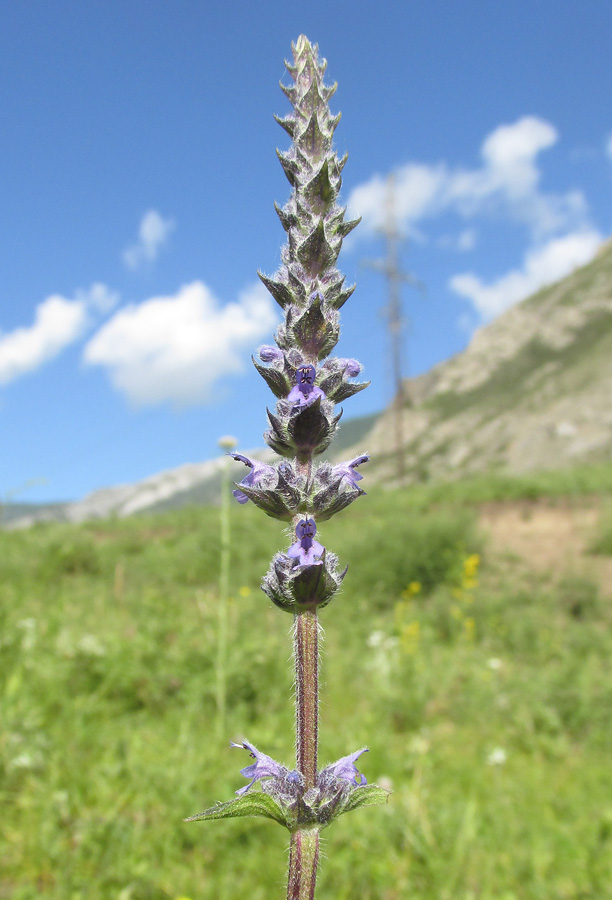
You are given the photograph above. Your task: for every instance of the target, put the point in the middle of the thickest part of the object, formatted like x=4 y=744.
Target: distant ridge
x=122 y=500
x=186 y=485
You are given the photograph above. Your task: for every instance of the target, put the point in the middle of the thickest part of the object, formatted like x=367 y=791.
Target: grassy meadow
x=482 y=686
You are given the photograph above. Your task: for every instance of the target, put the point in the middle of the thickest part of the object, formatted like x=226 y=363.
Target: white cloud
x=58 y=322
x=506 y=184
x=509 y=152
x=505 y=189
x=153 y=233
x=417 y=190
x=463 y=242
x=543 y=265
x=99 y=298
x=173 y=349
x=466 y=240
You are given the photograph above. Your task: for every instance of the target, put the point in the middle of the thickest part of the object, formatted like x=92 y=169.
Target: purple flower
x=263 y=767
x=306 y=550
x=348 y=367
x=349 y=471
x=305 y=390
x=258 y=472
x=352 y=367
x=346 y=769
x=267 y=353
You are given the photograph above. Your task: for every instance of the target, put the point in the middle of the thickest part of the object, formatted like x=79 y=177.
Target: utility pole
x=391 y=269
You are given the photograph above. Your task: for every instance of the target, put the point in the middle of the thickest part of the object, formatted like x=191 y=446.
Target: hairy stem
x=307 y=695
x=303 y=861
x=306 y=653
x=304 y=848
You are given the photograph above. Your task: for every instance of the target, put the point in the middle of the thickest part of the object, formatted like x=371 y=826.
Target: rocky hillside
x=533 y=390
x=197 y=481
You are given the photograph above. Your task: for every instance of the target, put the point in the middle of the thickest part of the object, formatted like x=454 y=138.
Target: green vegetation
x=594 y=479
x=483 y=691
x=602 y=543
x=352 y=431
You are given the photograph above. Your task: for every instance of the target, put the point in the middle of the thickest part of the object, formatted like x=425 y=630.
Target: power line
x=390 y=267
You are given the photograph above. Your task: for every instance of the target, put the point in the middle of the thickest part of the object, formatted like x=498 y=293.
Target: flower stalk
x=303 y=864
x=306 y=651
x=307 y=384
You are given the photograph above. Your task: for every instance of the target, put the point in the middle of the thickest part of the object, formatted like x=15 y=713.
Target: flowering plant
x=308 y=384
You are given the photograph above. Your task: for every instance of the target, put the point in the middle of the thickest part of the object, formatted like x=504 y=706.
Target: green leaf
x=256 y=804
x=290 y=167
x=288 y=218
x=319 y=191
x=271 y=502
x=316 y=253
x=365 y=795
x=276 y=380
x=288 y=123
x=316 y=331
x=347 y=390
x=312 y=140
x=278 y=289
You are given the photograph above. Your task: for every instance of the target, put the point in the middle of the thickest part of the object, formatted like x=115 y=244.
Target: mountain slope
x=533 y=390
x=155 y=492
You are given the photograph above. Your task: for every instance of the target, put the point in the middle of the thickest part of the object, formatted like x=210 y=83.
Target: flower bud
x=314 y=329
x=334 y=378
x=277 y=490
x=335 y=487
x=303 y=581
x=301 y=430
x=268 y=354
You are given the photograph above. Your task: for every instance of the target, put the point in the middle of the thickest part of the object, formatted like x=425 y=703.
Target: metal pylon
x=390 y=267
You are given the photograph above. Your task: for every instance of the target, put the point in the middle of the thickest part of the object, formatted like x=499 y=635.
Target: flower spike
x=307 y=384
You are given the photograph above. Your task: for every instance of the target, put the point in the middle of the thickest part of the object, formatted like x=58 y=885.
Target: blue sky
x=138 y=176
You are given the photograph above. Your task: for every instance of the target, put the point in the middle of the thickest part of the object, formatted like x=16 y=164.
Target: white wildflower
x=497 y=757
x=89 y=645
x=28 y=626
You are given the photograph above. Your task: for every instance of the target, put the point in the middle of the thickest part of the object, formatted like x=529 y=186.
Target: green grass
x=593 y=479
x=107 y=701
x=602 y=542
